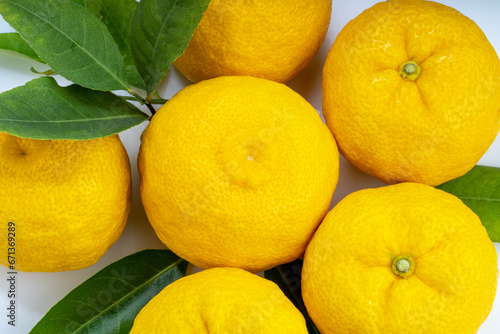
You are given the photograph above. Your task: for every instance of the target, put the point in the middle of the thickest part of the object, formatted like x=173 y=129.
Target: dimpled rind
x=68 y=200
x=348 y=284
x=220 y=300
x=274 y=40
x=430 y=130
x=237 y=171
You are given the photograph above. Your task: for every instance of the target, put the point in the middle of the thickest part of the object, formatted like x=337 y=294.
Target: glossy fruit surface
x=411 y=92
x=220 y=300
x=406 y=258
x=66 y=201
x=237 y=171
x=274 y=39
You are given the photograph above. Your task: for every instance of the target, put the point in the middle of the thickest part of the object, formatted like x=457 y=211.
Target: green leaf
x=117 y=16
x=47 y=72
x=288 y=278
x=161 y=31
x=479 y=189
x=41 y=109
x=80 y=2
x=71 y=40
x=109 y=301
x=12 y=41
x=94 y=6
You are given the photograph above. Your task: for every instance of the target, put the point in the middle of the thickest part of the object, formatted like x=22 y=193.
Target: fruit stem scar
x=410 y=70
x=403 y=265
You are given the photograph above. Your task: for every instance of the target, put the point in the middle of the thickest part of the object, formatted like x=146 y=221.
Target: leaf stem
x=158 y=101
x=133 y=98
x=156 y=94
x=151 y=108
x=139 y=98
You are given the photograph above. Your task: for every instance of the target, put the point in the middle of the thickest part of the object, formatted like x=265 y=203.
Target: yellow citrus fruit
x=237 y=172
x=274 y=39
x=406 y=258
x=220 y=300
x=63 y=202
x=411 y=92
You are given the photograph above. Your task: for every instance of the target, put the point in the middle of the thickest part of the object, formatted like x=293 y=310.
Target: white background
x=37 y=292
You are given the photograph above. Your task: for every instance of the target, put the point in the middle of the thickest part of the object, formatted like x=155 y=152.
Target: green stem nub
x=410 y=70
x=403 y=265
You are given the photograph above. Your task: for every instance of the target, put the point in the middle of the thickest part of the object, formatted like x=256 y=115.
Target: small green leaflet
x=12 y=41
x=70 y=39
x=288 y=278
x=41 y=109
x=479 y=189
x=109 y=301
x=161 y=31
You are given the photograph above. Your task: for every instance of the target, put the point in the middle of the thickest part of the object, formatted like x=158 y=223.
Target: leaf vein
x=480 y=198
x=71 y=120
x=163 y=25
x=123 y=84
x=160 y=272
